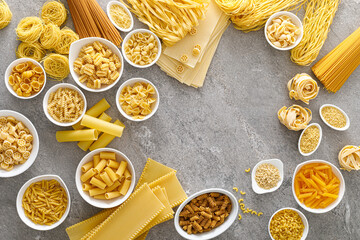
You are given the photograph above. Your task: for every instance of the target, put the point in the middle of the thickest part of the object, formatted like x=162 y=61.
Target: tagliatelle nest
x=295 y=117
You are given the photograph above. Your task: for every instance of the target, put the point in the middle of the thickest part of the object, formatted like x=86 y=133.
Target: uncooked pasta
x=5 y=14
x=68 y=36
x=56 y=66
x=349 y=158
x=51 y=36
x=295 y=117
x=53 y=12
x=303 y=87
x=30 y=50
x=29 y=29
x=319 y=15
x=119 y=15
x=236 y=7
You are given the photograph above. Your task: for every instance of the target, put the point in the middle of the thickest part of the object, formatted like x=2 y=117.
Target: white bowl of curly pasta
x=37 y=189
x=96 y=64
x=64 y=104
x=19 y=143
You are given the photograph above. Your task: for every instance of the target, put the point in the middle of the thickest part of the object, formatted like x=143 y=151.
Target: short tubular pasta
x=51 y=36
x=236 y=7
x=68 y=36
x=5 y=14
x=295 y=117
x=29 y=29
x=30 y=50
x=56 y=66
x=349 y=158
x=303 y=87
x=53 y=12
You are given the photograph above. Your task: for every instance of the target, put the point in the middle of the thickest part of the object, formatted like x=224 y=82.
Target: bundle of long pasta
x=236 y=7
x=263 y=9
x=319 y=15
x=170 y=20
x=336 y=67
x=91 y=21
x=5 y=14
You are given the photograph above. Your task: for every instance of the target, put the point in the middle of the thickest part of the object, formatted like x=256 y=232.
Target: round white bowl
x=342 y=111
x=127 y=38
x=295 y=19
x=18 y=169
x=216 y=231
x=132 y=81
x=102 y=203
x=74 y=51
x=303 y=218
x=8 y=72
x=54 y=89
x=277 y=163
x=20 y=209
x=320 y=131
x=337 y=173
x=126 y=10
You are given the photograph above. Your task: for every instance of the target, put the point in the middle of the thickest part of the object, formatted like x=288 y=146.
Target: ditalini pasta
x=29 y=29
x=141 y=48
x=282 y=32
x=76 y=135
x=102 y=126
x=303 y=87
x=5 y=14
x=121 y=18
x=349 y=158
x=53 y=12
x=295 y=117
x=105 y=138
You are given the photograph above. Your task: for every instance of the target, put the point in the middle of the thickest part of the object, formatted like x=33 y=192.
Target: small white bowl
x=126 y=10
x=20 y=209
x=18 y=169
x=303 y=218
x=295 y=19
x=75 y=48
x=127 y=38
x=320 y=130
x=338 y=174
x=101 y=203
x=277 y=163
x=335 y=128
x=132 y=81
x=216 y=231
x=9 y=70
x=54 y=89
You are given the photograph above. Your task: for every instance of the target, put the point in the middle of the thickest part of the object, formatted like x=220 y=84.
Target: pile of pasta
x=295 y=117
x=120 y=16
x=95 y=129
x=5 y=14
x=282 y=32
x=349 y=158
x=303 y=87
x=286 y=224
x=39 y=35
x=157 y=192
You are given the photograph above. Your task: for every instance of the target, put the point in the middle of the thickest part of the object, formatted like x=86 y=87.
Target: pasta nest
x=349 y=158
x=56 y=66
x=68 y=36
x=295 y=117
x=29 y=29
x=236 y=7
x=303 y=87
x=30 y=50
x=51 y=36
x=5 y=14
x=54 y=12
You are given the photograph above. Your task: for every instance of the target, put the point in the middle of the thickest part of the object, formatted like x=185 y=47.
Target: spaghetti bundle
x=319 y=15
x=29 y=29
x=91 y=21
x=263 y=9
x=30 y=50
x=56 y=66
x=51 y=36
x=236 y=7
x=170 y=20
x=53 y=12
x=67 y=37
x=336 y=67
x=5 y=14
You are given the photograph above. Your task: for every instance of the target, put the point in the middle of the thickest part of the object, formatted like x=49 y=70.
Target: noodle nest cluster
x=5 y=14
x=295 y=117
x=56 y=66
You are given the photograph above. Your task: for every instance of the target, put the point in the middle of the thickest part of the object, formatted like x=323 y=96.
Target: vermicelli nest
x=30 y=50
x=29 y=29
x=68 y=36
x=54 y=12
x=5 y=14
x=56 y=66
x=51 y=36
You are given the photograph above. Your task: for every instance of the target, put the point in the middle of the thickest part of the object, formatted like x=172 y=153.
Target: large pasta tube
x=101 y=125
x=76 y=135
x=105 y=139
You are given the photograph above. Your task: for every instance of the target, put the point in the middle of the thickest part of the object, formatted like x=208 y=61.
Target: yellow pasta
x=105 y=139
x=282 y=32
x=76 y=135
x=53 y=12
x=141 y=48
x=87 y=166
x=236 y=7
x=67 y=37
x=295 y=117
x=108 y=155
x=97 y=183
x=349 y=158
x=303 y=87
x=51 y=36
x=120 y=16
x=102 y=126
x=5 y=14
x=56 y=66
x=29 y=29
x=30 y=50
x=286 y=224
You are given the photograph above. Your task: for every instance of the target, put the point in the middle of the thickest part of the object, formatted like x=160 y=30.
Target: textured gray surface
x=210 y=135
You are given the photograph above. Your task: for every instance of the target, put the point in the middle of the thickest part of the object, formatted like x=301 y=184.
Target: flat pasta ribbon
x=295 y=117
x=303 y=87
x=349 y=157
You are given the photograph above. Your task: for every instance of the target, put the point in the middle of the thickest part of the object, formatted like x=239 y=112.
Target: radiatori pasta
x=286 y=225
x=349 y=158
x=282 y=32
x=303 y=87
x=53 y=12
x=295 y=117
x=30 y=50
x=5 y=14
x=16 y=143
x=29 y=29
x=120 y=16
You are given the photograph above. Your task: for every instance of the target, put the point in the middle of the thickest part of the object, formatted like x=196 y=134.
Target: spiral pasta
x=68 y=36
x=51 y=36
x=5 y=14
x=349 y=158
x=56 y=66
x=236 y=7
x=295 y=117
x=54 y=12
x=30 y=50
x=303 y=87
x=29 y=29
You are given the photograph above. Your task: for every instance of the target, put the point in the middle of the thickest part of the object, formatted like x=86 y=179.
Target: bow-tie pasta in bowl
x=137 y=99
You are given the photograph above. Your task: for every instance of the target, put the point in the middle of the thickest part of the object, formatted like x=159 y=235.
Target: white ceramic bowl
x=126 y=10
x=101 y=203
x=303 y=218
x=75 y=48
x=338 y=174
x=8 y=72
x=18 y=169
x=294 y=19
x=54 y=89
x=335 y=128
x=20 y=209
x=216 y=231
x=127 y=38
x=320 y=130
x=277 y=163
x=132 y=81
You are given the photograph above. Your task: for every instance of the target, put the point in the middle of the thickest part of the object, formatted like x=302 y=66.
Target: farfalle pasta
x=295 y=117
x=282 y=32
x=303 y=87
x=349 y=158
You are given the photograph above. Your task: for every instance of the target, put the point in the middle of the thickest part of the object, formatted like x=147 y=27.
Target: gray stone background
x=210 y=135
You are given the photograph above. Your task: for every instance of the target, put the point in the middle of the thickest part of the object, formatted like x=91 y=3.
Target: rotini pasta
x=282 y=32
x=303 y=87
x=295 y=117
x=5 y=14
x=30 y=50
x=29 y=29
x=349 y=158
x=120 y=16
x=56 y=66
x=53 y=12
